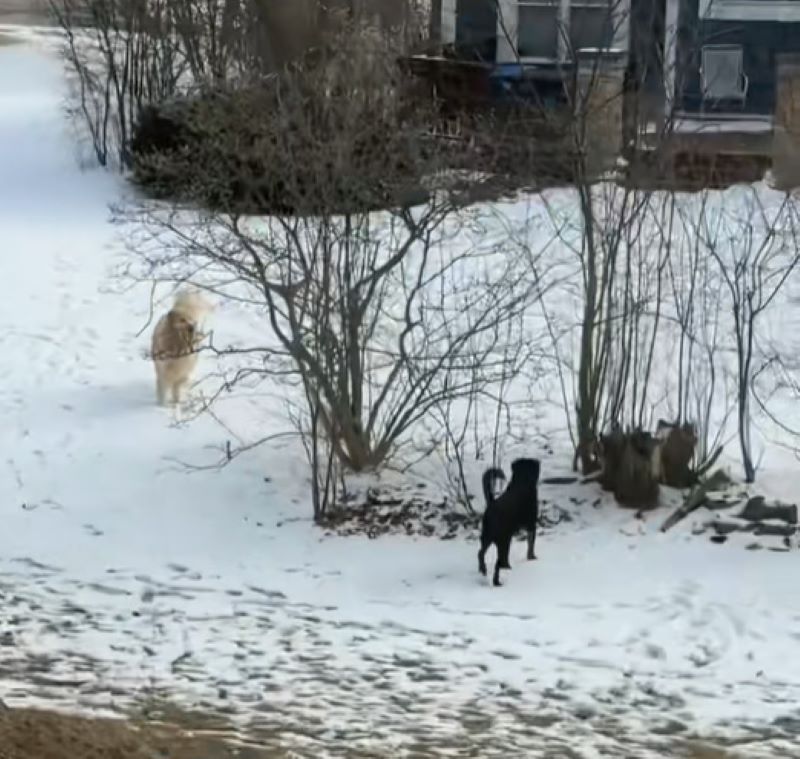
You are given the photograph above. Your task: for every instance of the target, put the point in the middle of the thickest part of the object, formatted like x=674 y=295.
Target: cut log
x=720 y=504
x=697 y=498
x=725 y=528
x=756 y=510
x=783 y=530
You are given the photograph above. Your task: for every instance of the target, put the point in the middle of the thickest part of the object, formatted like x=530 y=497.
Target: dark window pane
x=538 y=31
x=476 y=29
x=591 y=27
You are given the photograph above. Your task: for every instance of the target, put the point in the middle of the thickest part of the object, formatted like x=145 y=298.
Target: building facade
x=699 y=58
x=726 y=53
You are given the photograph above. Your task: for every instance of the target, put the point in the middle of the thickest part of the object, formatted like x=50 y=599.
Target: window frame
x=563 y=22
x=558 y=7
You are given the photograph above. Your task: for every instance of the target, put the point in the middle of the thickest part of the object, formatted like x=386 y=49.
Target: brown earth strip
x=32 y=734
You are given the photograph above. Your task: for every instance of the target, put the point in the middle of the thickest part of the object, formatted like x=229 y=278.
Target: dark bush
x=247 y=151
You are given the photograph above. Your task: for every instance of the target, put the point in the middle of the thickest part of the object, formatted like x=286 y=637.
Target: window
x=538 y=29
x=476 y=29
x=543 y=30
x=592 y=24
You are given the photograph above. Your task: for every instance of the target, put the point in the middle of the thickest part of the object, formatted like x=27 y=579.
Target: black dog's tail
x=490 y=476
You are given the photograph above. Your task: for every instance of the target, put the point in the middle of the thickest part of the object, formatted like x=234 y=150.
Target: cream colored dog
x=175 y=344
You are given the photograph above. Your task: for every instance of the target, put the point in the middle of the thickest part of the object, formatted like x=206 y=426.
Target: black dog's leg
x=486 y=537
x=532 y=528
x=532 y=541
x=531 y=544
x=482 y=555
x=503 y=550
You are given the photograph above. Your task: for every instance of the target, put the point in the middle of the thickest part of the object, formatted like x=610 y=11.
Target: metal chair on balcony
x=722 y=76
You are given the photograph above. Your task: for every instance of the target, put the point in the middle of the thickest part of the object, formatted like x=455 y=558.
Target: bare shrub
x=381 y=315
x=125 y=55
x=121 y=55
x=617 y=239
x=695 y=290
x=755 y=247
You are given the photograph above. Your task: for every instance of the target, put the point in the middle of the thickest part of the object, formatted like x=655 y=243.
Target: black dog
x=516 y=508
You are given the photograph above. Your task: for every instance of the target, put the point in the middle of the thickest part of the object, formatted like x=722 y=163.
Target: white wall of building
x=448 y=22
x=507 y=31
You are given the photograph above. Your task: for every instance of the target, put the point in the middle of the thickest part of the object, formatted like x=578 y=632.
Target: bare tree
x=621 y=259
x=621 y=234
x=617 y=234
x=381 y=314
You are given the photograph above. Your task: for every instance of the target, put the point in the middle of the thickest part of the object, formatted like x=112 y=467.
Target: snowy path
x=123 y=576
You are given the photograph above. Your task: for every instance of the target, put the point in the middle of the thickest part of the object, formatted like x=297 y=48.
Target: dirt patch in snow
x=386 y=514
x=32 y=734
x=395 y=514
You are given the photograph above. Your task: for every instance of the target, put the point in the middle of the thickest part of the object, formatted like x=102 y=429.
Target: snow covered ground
x=125 y=576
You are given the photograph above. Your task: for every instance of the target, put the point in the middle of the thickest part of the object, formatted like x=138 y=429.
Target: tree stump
x=674 y=454
x=627 y=469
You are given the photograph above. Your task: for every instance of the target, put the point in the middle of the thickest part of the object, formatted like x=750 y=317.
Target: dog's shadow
x=105 y=400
